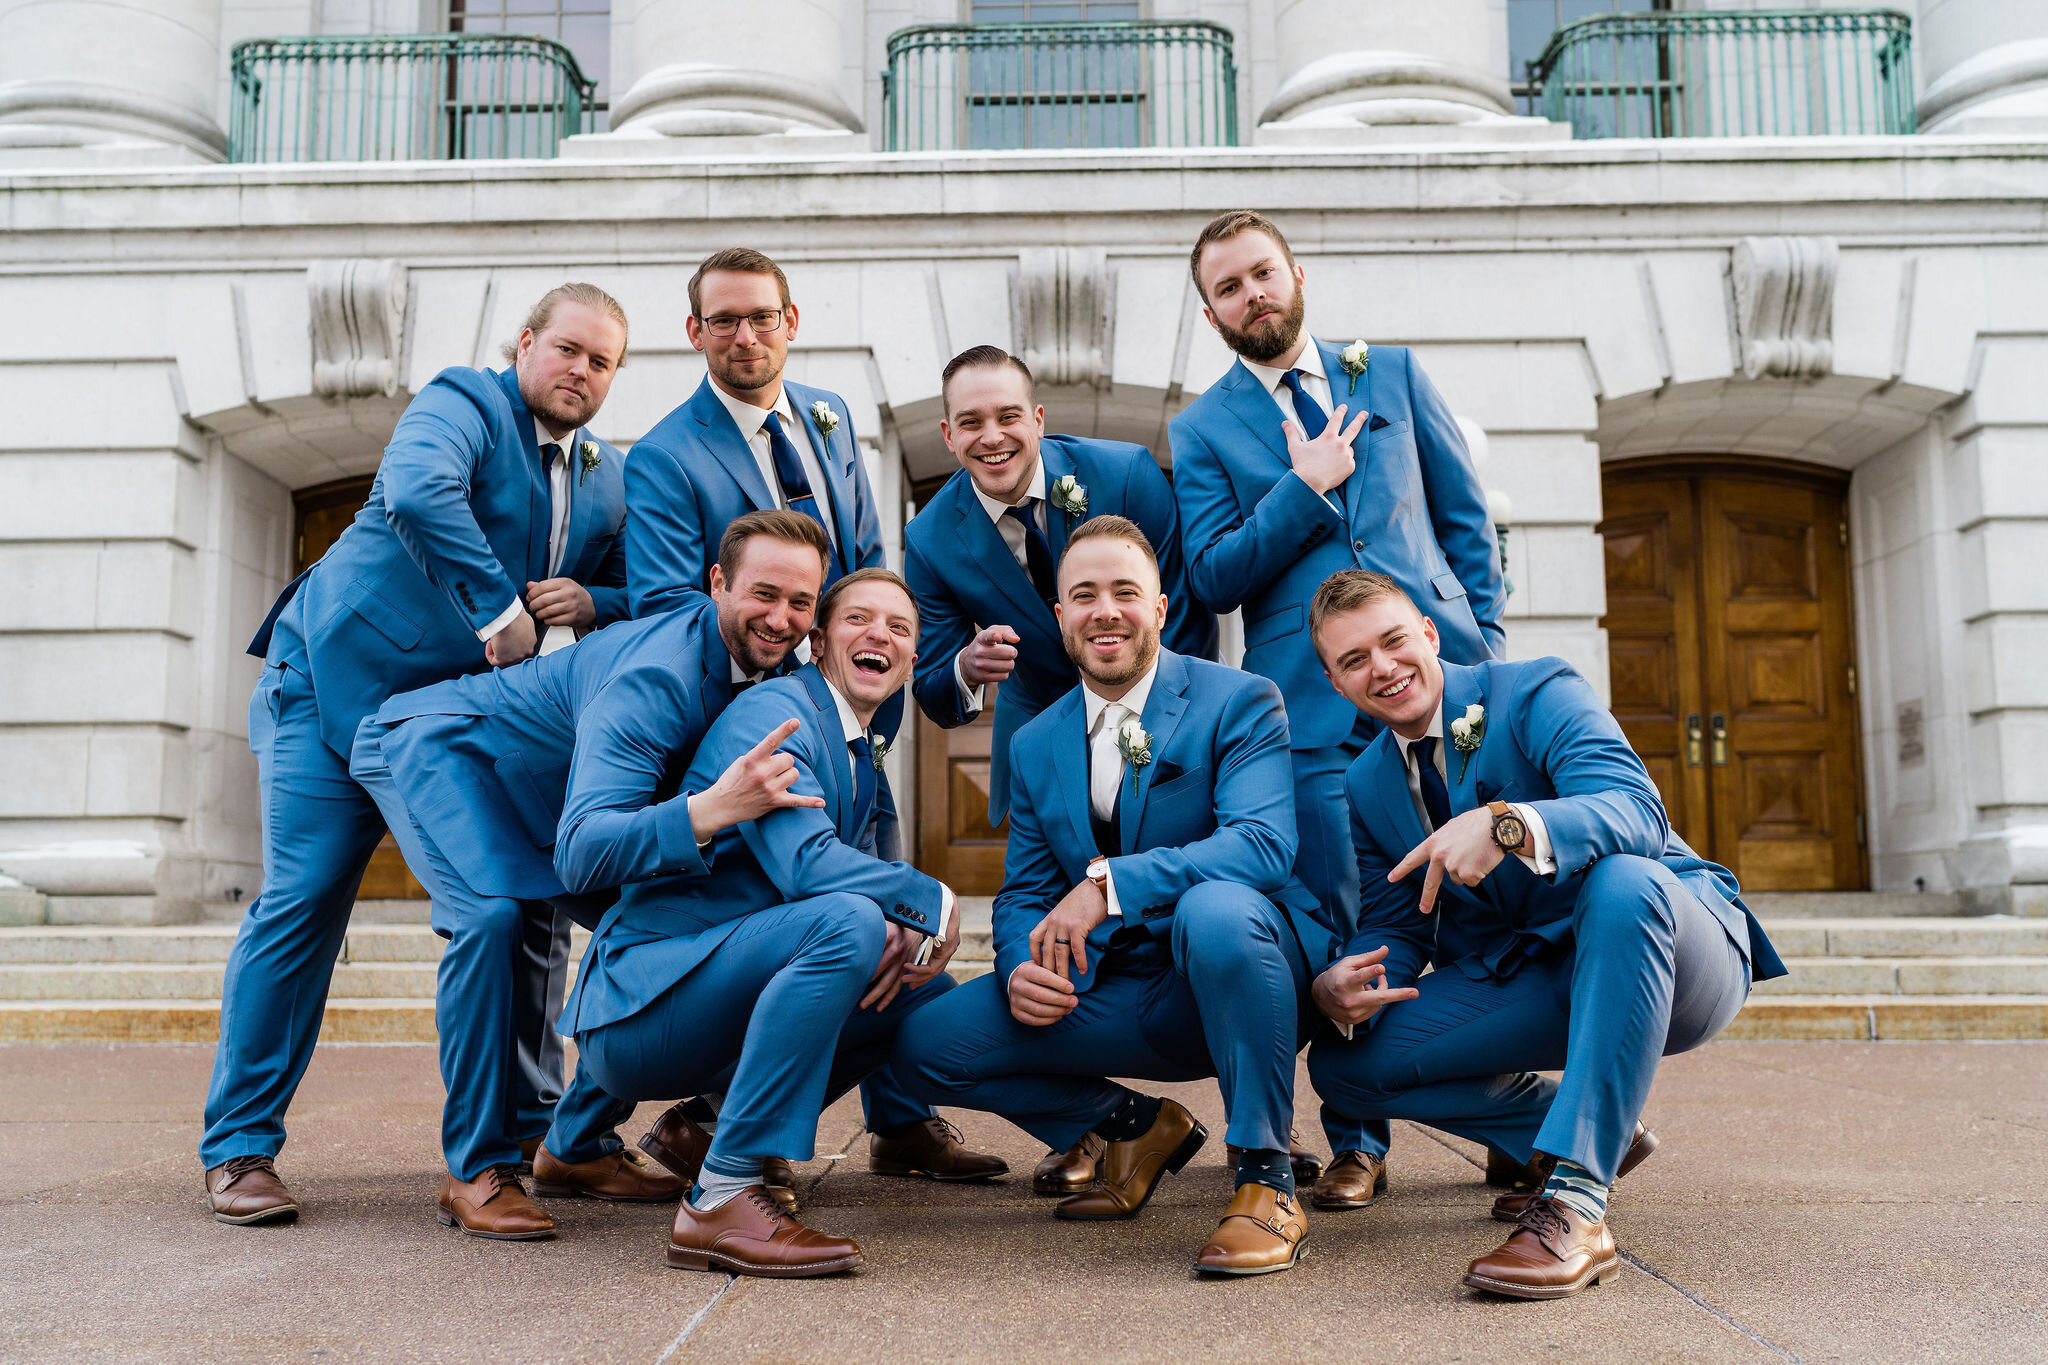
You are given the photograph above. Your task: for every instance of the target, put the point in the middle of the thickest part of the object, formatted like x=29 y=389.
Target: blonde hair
x=589 y=295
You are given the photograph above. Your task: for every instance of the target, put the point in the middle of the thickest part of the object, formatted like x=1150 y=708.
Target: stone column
x=98 y=81
x=1381 y=70
x=1984 y=66
x=751 y=70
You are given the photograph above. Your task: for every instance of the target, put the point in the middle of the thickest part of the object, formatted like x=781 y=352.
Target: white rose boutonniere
x=591 y=460
x=1466 y=733
x=1069 y=496
x=1135 y=745
x=878 y=751
x=1353 y=359
x=822 y=414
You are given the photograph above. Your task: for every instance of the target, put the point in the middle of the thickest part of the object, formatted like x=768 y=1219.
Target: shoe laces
x=765 y=1202
x=946 y=1130
x=241 y=1165
x=1544 y=1218
x=500 y=1176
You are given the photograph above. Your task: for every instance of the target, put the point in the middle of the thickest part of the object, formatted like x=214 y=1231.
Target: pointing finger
x=773 y=739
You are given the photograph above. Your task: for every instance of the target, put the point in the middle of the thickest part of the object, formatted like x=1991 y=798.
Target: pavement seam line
x=810 y=1191
x=697 y=1320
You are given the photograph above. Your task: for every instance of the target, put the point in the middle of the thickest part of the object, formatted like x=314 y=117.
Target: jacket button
x=1358 y=545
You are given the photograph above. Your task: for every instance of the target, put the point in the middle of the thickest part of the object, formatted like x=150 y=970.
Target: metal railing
x=405 y=97
x=1753 y=73
x=954 y=87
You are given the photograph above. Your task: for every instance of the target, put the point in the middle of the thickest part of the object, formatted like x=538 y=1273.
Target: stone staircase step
x=1919 y=936
x=1891 y=1018
x=368 y=1020
x=1910 y=976
x=1852 y=904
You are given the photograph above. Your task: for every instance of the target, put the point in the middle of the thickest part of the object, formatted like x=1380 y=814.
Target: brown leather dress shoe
x=1351 y=1181
x=1508 y=1207
x=1503 y=1172
x=751 y=1234
x=933 y=1149
x=1071 y=1171
x=245 y=1190
x=1308 y=1167
x=1129 y=1171
x=678 y=1142
x=1553 y=1253
x=1262 y=1231
x=527 y=1147
x=621 y=1177
x=494 y=1205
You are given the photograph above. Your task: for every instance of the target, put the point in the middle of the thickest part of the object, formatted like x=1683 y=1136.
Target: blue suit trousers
x=1650 y=972
x=1222 y=996
x=500 y=985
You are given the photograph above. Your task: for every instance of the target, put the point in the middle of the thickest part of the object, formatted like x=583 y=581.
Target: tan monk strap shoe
x=1508 y=1207
x=621 y=1177
x=1071 y=1171
x=752 y=1234
x=931 y=1148
x=1553 y=1253
x=1129 y=1171
x=245 y=1190
x=1308 y=1167
x=1262 y=1231
x=679 y=1143
x=494 y=1205
x=1352 y=1180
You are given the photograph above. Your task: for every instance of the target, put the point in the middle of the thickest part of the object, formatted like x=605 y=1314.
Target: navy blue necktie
x=863 y=787
x=796 y=488
x=549 y=453
x=1436 y=797
x=1037 y=552
x=1307 y=411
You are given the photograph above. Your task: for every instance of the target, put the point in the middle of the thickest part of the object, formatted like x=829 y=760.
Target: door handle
x=1720 y=727
x=1695 y=745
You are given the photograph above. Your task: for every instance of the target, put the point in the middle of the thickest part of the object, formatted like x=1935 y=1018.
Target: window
x=1053 y=11
x=1055 y=92
x=1531 y=22
x=582 y=26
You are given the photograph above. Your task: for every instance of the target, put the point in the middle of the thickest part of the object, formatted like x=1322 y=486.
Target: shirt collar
x=1133 y=700
x=802 y=655
x=996 y=509
x=852 y=727
x=749 y=419
x=541 y=437
x=1436 y=732
x=1310 y=361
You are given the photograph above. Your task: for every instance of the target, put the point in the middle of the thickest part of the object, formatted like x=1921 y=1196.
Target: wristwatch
x=1098 y=872
x=1510 y=830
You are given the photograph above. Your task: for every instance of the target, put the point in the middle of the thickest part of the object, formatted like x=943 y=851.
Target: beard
x=751 y=654
x=1269 y=339
x=1145 y=648
x=555 y=411
x=738 y=381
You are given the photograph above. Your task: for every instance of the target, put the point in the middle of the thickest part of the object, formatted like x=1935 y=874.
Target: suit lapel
x=838 y=487
x=1247 y=400
x=1163 y=711
x=722 y=438
x=1390 y=782
x=539 y=511
x=1461 y=689
x=1053 y=460
x=832 y=778
x=1070 y=767
x=579 y=504
x=981 y=543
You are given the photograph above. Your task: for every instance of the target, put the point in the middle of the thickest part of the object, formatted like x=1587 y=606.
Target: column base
x=1407 y=123
x=640 y=144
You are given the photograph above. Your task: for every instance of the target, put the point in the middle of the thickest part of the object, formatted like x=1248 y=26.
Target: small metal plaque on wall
x=1912 y=734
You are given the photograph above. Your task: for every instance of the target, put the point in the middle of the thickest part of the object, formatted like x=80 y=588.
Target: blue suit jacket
x=455 y=527
x=1547 y=741
x=1261 y=539
x=692 y=475
x=663 y=927
x=1214 y=804
x=966 y=579
x=483 y=761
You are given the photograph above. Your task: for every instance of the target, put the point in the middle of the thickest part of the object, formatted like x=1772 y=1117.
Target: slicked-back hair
x=589 y=295
x=874 y=573
x=1349 y=590
x=737 y=260
x=1109 y=528
x=1222 y=228
x=777 y=523
x=986 y=357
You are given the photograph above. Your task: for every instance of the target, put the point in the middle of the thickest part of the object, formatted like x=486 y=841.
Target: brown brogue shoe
x=678 y=1143
x=778 y=1177
x=752 y=1234
x=1352 y=1180
x=1553 y=1253
x=621 y=1177
x=1128 y=1172
x=1071 y=1171
x=931 y=1148
x=246 y=1190
x=1308 y=1167
x=494 y=1205
x=1508 y=1207
x=1262 y=1231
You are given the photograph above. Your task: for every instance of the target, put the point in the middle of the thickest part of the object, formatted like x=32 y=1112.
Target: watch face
x=1509 y=831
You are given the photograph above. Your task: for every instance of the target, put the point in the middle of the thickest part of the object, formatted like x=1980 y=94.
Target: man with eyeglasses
x=744 y=441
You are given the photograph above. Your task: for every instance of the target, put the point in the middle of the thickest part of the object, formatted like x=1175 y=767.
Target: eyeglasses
x=725 y=324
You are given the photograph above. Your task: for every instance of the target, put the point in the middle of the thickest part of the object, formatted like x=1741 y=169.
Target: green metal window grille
x=582 y=26
x=953 y=87
x=1754 y=73
x=405 y=97
x=1531 y=22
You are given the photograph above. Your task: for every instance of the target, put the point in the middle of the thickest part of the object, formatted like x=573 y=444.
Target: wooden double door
x=1732 y=662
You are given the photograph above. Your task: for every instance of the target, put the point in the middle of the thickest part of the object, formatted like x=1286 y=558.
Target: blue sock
x=1265 y=1167
x=1131 y=1119
x=1573 y=1186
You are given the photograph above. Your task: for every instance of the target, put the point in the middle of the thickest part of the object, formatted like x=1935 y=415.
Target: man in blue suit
x=1523 y=852
x=495 y=515
x=1278 y=489
x=787 y=976
x=1149 y=922
x=471 y=775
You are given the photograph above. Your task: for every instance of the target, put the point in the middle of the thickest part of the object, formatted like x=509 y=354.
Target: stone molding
x=358 y=324
x=84 y=114
x=1784 y=298
x=2009 y=69
x=1061 y=304
x=1418 y=88
x=693 y=99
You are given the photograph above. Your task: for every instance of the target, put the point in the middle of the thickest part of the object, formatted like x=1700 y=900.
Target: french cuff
x=1540 y=860
x=971 y=698
x=1109 y=891
x=1344 y=1030
x=501 y=620
x=946 y=902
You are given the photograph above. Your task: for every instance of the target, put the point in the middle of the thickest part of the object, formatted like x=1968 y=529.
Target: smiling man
x=794 y=967
x=1509 y=837
x=1149 y=923
x=495 y=517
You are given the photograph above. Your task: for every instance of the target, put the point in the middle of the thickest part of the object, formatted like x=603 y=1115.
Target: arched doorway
x=1732 y=660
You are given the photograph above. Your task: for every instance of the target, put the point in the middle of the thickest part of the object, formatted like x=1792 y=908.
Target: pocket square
x=1376 y=423
x=1486 y=791
x=1166 y=772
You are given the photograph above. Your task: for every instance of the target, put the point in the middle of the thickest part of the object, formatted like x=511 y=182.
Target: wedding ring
x=1062 y=940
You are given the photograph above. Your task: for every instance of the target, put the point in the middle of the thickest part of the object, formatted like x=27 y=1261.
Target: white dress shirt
x=972 y=699
x=1106 y=766
x=1539 y=860
x=753 y=422
x=1315 y=382
x=559 y=507
x=850 y=725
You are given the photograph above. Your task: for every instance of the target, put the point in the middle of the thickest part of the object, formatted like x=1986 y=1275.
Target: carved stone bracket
x=1061 y=307
x=358 y=326
x=1784 y=295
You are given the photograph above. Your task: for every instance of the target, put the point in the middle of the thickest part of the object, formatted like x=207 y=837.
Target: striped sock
x=715 y=1187
x=1573 y=1186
